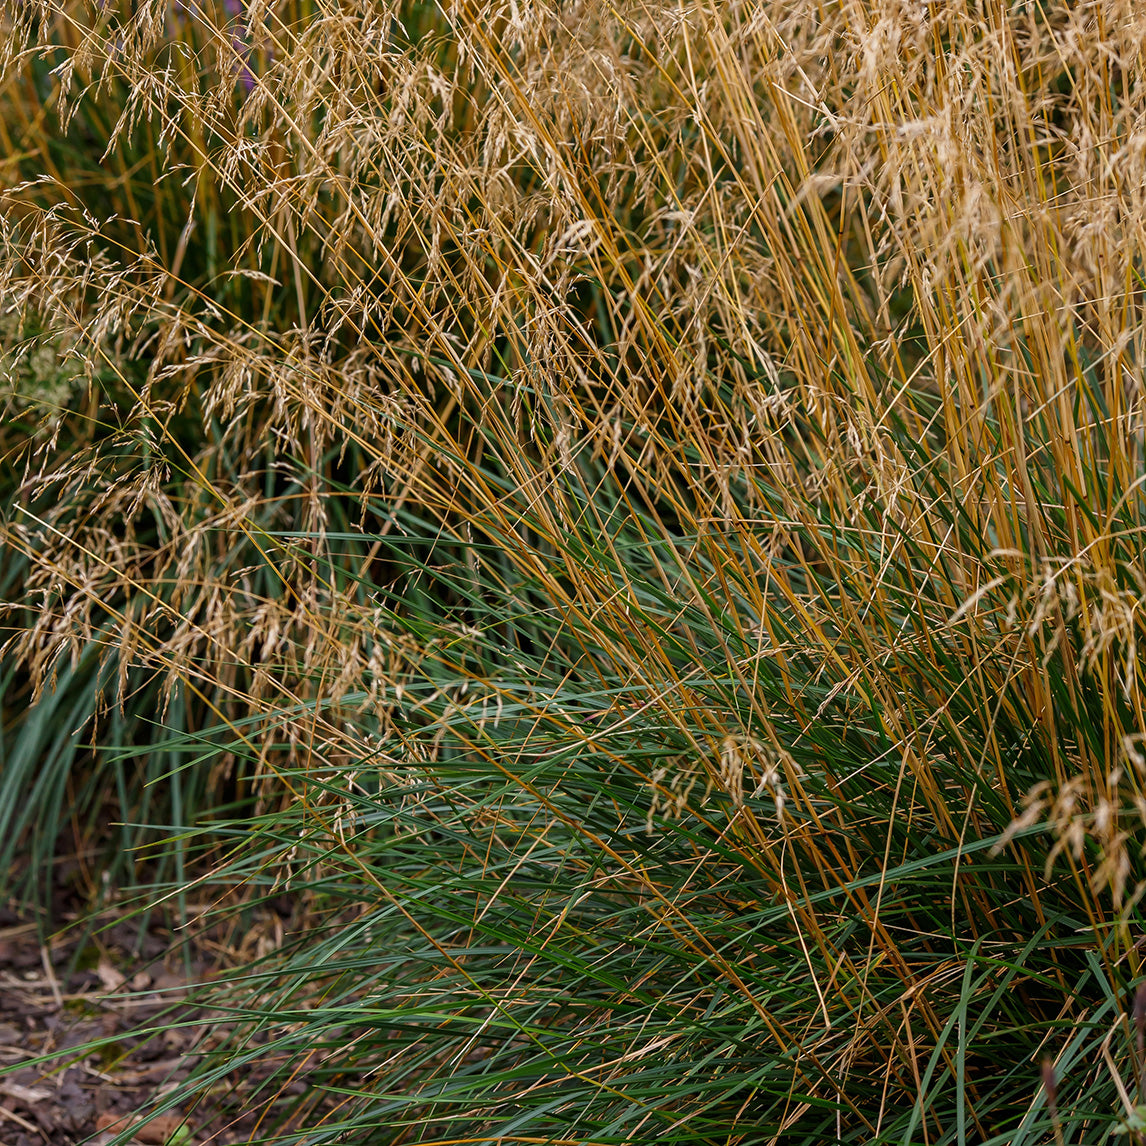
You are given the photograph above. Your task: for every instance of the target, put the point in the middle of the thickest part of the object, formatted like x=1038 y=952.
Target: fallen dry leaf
x=111 y=979
x=152 y=1132
x=111 y=1121
x=28 y=1095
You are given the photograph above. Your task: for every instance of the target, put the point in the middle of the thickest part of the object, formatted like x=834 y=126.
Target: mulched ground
x=112 y=983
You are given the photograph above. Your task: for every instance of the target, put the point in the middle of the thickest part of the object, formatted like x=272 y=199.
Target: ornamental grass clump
x=632 y=515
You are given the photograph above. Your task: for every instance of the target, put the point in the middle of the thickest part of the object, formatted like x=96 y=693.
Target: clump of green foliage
x=632 y=515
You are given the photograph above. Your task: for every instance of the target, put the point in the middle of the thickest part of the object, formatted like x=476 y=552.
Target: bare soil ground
x=124 y=985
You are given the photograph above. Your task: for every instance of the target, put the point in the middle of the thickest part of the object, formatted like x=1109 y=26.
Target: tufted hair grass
x=631 y=513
